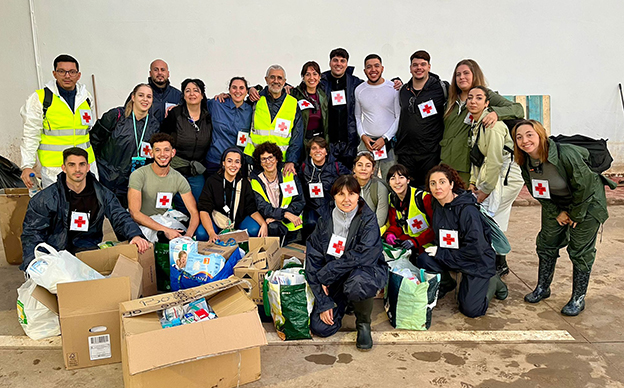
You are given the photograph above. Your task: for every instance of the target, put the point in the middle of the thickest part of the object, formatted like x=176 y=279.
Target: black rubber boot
x=363 y=311
x=447 y=284
x=544 y=278
x=502 y=268
x=580 y=280
x=497 y=289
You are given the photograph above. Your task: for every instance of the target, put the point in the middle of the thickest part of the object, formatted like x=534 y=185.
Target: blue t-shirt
x=227 y=120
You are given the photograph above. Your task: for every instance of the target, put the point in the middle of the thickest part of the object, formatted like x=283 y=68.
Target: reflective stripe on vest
x=264 y=127
x=62 y=129
x=413 y=212
x=257 y=187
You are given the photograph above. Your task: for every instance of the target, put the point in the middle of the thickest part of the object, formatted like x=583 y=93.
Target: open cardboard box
x=264 y=255
x=89 y=310
x=13 y=205
x=223 y=352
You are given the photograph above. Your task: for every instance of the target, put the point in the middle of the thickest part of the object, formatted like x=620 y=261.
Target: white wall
x=570 y=50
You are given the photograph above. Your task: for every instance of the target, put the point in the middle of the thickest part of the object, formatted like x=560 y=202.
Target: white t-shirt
x=377 y=109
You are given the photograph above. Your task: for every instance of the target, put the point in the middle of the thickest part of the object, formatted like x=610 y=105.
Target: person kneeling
x=464 y=243
x=345 y=263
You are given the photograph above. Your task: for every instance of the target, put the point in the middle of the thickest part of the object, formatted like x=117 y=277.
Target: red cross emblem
x=164 y=200
x=448 y=239
x=316 y=190
x=243 y=139
x=86 y=117
x=146 y=150
x=379 y=153
x=338 y=247
x=79 y=222
x=427 y=109
x=469 y=117
x=540 y=189
x=305 y=104
x=338 y=98
x=289 y=189
x=282 y=126
x=417 y=224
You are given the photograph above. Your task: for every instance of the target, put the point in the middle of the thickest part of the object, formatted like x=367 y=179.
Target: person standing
x=421 y=125
x=165 y=95
x=313 y=103
x=55 y=118
x=377 y=112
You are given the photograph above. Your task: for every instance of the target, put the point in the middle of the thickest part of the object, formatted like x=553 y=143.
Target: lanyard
x=137 y=141
x=231 y=197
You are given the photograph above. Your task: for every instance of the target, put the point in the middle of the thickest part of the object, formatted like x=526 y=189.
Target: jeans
x=253 y=228
x=197 y=185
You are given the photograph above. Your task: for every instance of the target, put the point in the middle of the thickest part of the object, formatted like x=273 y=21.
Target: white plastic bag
x=48 y=269
x=171 y=219
x=36 y=319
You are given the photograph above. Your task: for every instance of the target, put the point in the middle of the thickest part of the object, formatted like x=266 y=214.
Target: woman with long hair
x=574 y=206
x=455 y=151
x=374 y=190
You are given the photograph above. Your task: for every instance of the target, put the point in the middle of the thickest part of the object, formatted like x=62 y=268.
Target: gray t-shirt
x=557 y=185
x=149 y=184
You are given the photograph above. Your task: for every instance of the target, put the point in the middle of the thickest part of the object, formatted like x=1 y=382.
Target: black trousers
x=418 y=167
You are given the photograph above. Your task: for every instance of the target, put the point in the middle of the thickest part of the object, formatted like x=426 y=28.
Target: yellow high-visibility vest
x=257 y=187
x=264 y=129
x=63 y=129
x=413 y=212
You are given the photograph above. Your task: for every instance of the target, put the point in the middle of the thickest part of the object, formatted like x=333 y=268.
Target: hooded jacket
x=475 y=255
x=114 y=144
x=362 y=257
x=48 y=216
x=587 y=187
x=327 y=175
x=352 y=83
x=418 y=136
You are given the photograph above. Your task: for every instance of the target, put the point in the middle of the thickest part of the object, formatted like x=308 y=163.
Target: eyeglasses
x=267 y=159
x=62 y=72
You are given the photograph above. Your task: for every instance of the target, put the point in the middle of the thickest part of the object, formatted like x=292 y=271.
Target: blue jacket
x=328 y=174
x=114 y=144
x=47 y=220
x=227 y=120
x=352 y=83
x=169 y=94
x=266 y=209
x=362 y=259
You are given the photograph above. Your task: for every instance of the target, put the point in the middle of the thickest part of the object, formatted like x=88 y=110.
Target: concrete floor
x=593 y=358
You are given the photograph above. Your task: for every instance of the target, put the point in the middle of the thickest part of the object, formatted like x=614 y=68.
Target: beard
x=371 y=80
x=163 y=165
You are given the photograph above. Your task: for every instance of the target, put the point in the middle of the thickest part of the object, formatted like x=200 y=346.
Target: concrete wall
x=571 y=51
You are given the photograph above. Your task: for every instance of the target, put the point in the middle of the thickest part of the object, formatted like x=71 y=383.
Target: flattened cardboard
x=13 y=205
x=228 y=346
x=238 y=235
x=204 y=248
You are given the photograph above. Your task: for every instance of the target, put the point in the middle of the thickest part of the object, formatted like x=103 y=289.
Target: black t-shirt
x=85 y=202
x=338 y=114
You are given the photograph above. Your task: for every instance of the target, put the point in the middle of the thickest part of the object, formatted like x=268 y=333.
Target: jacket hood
x=463 y=198
x=157 y=88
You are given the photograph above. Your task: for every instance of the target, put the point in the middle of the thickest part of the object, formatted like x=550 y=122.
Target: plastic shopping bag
x=171 y=219
x=289 y=299
x=36 y=319
x=48 y=269
x=392 y=253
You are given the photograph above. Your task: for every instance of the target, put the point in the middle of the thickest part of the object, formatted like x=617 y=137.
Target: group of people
x=303 y=163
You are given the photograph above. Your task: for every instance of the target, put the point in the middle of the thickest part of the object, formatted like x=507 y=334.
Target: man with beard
x=152 y=187
x=165 y=95
x=377 y=113
x=277 y=119
x=421 y=125
x=69 y=214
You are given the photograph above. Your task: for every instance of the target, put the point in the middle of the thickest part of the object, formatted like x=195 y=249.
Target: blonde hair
x=519 y=155
x=130 y=104
x=454 y=91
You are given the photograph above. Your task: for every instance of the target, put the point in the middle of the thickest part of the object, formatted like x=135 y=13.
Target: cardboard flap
x=133 y=270
x=104 y=260
x=46 y=298
x=238 y=235
x=162 y=301
x=166 y=347
x=91 y=296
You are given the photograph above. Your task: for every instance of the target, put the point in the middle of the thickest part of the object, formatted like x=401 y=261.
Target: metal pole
x=33 y=26
x=95 y=104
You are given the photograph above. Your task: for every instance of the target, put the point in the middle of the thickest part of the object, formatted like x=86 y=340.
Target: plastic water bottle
x=36 y=185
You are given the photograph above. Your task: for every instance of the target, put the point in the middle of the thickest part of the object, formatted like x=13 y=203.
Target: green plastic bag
x=161 y=256
x=394 y=253
x=290 y=305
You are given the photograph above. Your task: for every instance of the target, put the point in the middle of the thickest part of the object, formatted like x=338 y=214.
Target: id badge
x=137 y=162
x=145 y=150
x=79 y=222
x=336 y=245
x=449 y=239
x=163 y=200
x=541 y=189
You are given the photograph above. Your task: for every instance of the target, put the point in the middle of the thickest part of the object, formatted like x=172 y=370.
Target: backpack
x=600 y=158
x=499 y=242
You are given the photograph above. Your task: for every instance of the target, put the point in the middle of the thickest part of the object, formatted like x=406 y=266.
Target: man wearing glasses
x=421 y=124
x=55 y=118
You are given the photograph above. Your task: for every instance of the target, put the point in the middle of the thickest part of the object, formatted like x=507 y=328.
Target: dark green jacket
x=454 y=145
x=299 y=93
x=586 y=186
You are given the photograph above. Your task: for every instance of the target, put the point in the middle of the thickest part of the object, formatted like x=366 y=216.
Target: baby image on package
x=204 y=267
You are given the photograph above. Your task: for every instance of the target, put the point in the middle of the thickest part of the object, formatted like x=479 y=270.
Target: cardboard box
x=103 y=260
x=223 y=352
x=13 y=205
x=89 y=311
x=263 y=256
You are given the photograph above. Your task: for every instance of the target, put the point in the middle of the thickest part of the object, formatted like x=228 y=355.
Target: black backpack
x=600 y=158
